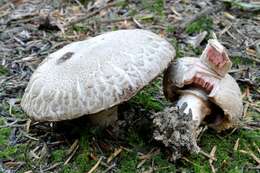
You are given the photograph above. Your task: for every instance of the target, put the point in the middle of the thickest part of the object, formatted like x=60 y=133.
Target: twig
x=73 y=146
x=28 y=136
x=141 y=164
x=30 y=171
x=92 y=13
x=251 y=154
x=236 y=144
x=189 y=161
x=225 y=29
x=256 y=147
x=245 y=110
x=52 y=167
x=204 y=12
x=109 y=168
x=239 y=54
x=149 y=155
x=138 y=24
x=80 y=5
x=254 y=157
x=212 y=154
x=207 y=155
x=95 y=166
x=201 y=132
x=113 y=155
x=28 y=125
x=72 y=154
x=115 y=20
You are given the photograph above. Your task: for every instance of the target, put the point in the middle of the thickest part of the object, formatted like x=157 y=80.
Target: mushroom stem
x=196 y=102
x=104 y=118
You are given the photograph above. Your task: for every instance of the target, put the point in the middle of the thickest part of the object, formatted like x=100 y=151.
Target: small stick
x=30 y=171
x=189 y=161
x=113 y=155
x=245 y=109
x=109 y=168
x=256 y=147
x=73 y=146
x=225 y=29
x=251 y=154
x=28 y=136
x=92 y=13
x=201 y=132
x=141 y=164
x=115 y=20
x=138 y=23
x=204 y=12
x=52 y=167
x=212 y=154
x=254 y=157
x=95 y=166
x=28 y=124
x=72 y=154
x=207 y=155
x=151 y=153
x=234 y=54
x=236 y=144
x=80 y=5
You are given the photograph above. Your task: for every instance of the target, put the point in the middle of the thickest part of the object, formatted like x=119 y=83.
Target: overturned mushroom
x=204 y=91
x=94 y=76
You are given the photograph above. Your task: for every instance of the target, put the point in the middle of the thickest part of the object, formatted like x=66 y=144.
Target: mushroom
x=93 y=76
x=203 y=91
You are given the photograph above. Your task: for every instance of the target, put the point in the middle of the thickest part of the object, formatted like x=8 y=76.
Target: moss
x=5 y=150
x=135 y=140
x=146 y=97
x=175 y=44
x=198 y=51
x=8 y=151
x=57 y=155
x=3 y=70
x=4 y=134
x=128 y=162
x=240 y=60
x=155 y=6
x=81 y=161
x=202 y=24
x=170 y=29
x=162 y=165
x=228 y=160
x=80 y=27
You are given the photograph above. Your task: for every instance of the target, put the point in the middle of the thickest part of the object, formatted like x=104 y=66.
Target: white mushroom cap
x=222 y=91
x=228 y=98
x=89 y=76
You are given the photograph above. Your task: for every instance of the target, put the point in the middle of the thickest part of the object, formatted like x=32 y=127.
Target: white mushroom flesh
x=197 y=103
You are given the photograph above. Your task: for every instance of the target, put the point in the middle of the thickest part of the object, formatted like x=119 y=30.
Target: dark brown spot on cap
x=64 y=57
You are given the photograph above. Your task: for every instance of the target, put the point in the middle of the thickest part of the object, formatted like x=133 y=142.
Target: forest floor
x=30 y=30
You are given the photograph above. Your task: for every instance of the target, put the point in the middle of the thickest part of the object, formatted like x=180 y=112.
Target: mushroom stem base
x=104 y=118
x=176 y=130
x=196 y=103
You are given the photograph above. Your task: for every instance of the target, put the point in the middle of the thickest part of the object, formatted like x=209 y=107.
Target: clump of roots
x=176 y=130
